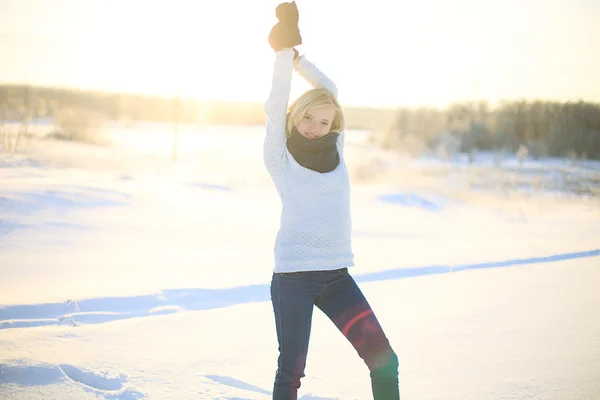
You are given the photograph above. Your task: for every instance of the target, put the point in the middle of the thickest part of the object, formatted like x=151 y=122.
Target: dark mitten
x=287 y=13
x=285 y=33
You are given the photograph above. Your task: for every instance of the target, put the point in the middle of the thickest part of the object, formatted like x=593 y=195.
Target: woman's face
x=316 y=122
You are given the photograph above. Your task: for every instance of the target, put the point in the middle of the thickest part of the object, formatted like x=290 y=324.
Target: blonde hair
x=315 y=98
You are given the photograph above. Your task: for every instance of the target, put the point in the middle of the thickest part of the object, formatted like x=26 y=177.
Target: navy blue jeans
x=294 y=296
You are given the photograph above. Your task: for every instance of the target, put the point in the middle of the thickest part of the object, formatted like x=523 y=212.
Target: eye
x=324 y=123
x=307 y=117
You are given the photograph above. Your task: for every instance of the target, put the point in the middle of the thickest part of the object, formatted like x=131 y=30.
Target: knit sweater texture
x=315 y=223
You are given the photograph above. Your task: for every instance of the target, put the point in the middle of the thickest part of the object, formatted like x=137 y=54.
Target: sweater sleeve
x=315 y=76
x=276 y=109
x=318 y=79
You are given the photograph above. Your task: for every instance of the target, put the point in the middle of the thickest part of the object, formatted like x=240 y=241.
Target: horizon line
x=390 y=107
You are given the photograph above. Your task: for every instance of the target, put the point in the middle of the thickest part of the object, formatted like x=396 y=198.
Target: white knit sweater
x=315 y=227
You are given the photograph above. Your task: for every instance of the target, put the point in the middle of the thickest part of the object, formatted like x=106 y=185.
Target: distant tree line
x=544 y=128
x=21 y=101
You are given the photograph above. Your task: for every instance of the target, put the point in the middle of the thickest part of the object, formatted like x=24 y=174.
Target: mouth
x=310 y=135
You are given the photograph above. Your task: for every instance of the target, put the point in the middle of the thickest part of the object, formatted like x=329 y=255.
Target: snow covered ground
x=125 y=276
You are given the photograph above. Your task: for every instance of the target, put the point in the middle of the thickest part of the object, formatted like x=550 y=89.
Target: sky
x=380 y=53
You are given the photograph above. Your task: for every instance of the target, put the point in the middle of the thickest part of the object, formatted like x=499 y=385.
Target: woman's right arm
x=276 y=109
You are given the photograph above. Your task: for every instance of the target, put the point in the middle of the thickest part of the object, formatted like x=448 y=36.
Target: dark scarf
x=319 y=154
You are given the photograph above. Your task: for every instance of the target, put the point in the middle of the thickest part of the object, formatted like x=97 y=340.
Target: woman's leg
x=293 y=301
x=344 y=303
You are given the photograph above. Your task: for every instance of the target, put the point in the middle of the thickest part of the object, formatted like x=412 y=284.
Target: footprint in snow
x=109 y=386
x=103 y=385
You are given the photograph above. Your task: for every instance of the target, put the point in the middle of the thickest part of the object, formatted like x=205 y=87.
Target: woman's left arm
x=314 y=75
x=318 y=79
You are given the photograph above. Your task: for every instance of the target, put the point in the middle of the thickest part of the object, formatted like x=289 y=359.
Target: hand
x=285 y=33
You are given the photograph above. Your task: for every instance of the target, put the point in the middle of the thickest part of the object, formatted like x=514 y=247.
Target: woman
x=304 y=154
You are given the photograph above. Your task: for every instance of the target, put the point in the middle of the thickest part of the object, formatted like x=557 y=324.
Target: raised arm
x=314 y=75
x=276 y=109
x=318 y=79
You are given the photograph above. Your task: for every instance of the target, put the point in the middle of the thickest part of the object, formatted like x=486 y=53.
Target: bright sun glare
x=189 y=50
x=380 y=54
